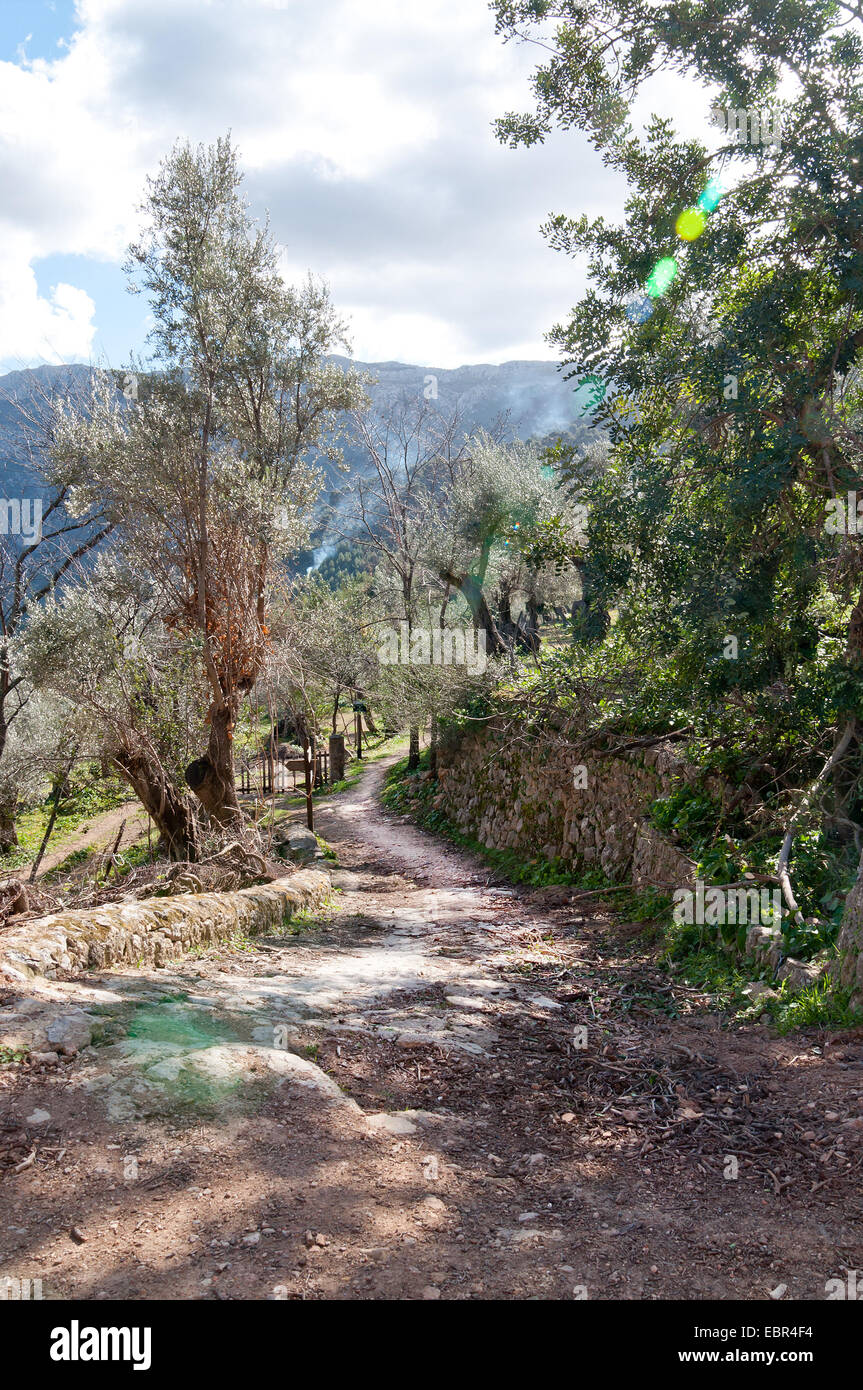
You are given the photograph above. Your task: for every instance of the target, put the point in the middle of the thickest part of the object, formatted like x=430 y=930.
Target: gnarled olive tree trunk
x=471 y=591
x=850 y=941
x=8 y=833
x=413 y=748
x=211 y=778
x=169 y=808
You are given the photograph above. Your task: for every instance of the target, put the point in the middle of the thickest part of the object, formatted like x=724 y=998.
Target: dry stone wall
x=542 y=800
x=154 y=930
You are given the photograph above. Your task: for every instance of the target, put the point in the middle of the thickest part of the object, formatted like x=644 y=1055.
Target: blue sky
x=121 y=318
x=364 y=130
x=36 y=25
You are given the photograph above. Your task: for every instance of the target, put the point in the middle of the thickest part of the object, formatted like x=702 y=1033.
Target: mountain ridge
x=527 y=398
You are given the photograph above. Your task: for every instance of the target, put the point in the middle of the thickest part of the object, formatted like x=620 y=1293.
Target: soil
x=100 y=833
x=526 y=1107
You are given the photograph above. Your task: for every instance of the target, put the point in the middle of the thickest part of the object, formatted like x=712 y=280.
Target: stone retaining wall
x=525 y=797
x=154 y=930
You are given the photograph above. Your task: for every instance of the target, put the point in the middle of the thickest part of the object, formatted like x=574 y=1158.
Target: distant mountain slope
x=529 y=400
x=536 y=396
x=533 y=395
x=24 y=389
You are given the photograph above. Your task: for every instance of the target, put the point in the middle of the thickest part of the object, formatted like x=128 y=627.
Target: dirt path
x=445 y=1089
x=101 y=833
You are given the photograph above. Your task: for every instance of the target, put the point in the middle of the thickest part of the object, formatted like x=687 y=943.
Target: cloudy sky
x=365 y=130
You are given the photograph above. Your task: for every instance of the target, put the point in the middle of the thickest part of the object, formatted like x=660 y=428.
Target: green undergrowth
x=133 y=857
x=724 y=850
x=13 y=1056
x=704 y=965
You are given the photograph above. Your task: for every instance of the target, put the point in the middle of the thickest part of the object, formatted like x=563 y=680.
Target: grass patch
x=72 y=861
x=133 y=857
x=705 y=966
x=816 y=1006
x=298 y=922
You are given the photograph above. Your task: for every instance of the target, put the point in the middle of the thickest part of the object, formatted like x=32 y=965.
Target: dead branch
x=785 y=852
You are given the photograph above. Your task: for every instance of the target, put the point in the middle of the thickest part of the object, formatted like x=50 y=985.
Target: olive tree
x=40 y=541
x=102 y=647
x=205 y=461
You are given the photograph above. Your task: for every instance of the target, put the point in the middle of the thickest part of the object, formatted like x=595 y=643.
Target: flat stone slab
x=47 y=1026
x=347 y=881
x=153 y=1080
x=391 y=1124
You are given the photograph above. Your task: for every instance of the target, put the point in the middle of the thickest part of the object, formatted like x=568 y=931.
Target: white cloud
x=366 y=129
x=34 y=328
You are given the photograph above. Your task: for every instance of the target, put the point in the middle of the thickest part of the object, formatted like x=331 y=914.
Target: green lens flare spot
x=690 y=224
x=709 y=199
x=661 y=276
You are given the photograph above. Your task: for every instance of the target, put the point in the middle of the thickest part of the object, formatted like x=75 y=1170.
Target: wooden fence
x=273 y=776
